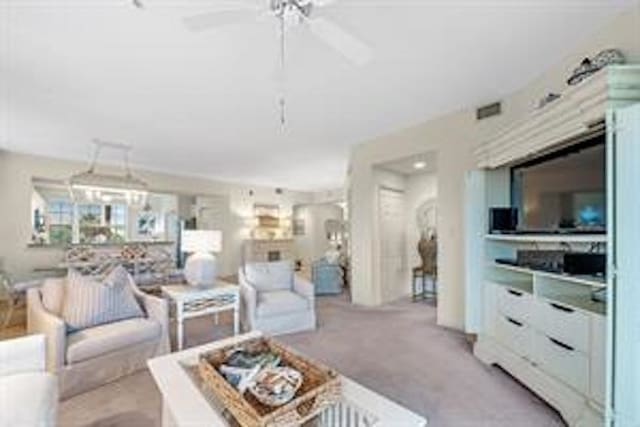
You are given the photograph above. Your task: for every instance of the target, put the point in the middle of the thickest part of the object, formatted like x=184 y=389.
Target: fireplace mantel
x=264 y=250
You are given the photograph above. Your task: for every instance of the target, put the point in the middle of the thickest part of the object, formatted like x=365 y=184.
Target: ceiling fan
x=289 y=12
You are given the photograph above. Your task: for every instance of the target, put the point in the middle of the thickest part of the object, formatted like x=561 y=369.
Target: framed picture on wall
x=298 y=227
x=146 y=223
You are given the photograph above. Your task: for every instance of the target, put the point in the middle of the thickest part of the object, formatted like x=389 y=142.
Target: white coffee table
x=192 y=301
x=185 y=404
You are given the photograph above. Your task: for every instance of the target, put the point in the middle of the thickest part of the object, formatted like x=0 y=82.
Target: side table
x=193 y=301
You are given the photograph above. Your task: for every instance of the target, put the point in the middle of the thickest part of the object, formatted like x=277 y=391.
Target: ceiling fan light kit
x=291 y=9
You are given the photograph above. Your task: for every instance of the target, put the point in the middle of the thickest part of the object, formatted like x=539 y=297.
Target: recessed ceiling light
x=420 y=165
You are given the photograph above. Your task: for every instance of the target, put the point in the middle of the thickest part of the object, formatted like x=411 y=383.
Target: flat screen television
x=564 y=191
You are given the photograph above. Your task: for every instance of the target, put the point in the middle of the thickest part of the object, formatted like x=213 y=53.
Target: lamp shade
x=199 y=241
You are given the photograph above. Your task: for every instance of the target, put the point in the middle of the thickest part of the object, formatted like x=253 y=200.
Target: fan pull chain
x=282 y=101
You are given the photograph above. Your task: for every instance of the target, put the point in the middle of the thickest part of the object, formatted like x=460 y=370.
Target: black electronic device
x=507 y=261
x=585 y=263
x=503 y=220
x=542 y=260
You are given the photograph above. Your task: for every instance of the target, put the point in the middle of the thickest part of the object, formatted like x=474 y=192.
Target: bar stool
x=419 y=284
x=428 y=270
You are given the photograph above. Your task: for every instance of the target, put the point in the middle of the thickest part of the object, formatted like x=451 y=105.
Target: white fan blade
x=349 y=46
x=238 y=14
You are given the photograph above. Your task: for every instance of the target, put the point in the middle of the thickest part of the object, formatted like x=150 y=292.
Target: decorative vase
x=423 y=248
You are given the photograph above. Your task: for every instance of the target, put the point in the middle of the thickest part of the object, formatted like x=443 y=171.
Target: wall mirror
x=58 y=220
x=426 y=217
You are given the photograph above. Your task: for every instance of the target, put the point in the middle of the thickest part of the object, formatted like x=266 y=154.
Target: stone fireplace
x=274 y=256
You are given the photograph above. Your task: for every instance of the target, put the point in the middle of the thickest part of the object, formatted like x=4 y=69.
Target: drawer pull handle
x=561 y=344
x=516 y=293
x=561 y=307
x=515 y=322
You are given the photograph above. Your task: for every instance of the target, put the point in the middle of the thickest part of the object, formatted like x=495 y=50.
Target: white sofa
x=275 y=300
x=91 y=357
x=28 y=394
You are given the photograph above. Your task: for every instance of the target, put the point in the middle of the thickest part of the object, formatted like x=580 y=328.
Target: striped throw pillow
x=89 y=302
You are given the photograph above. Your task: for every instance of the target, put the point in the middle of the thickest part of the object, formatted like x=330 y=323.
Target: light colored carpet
x=396 y=350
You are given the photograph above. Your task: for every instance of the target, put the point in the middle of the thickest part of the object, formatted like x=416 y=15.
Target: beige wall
x=17 y=170
x=454 y=137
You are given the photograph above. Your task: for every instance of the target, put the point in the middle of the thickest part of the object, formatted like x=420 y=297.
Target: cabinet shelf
x=592 y=281
x=522 y=285
x=548 y=238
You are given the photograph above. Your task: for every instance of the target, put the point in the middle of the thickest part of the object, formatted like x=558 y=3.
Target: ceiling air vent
x=489 y=110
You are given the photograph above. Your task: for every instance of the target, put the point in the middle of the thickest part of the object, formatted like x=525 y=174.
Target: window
x=90 y=224
x=89 y=215
x=60 y=220
x=116 y=219
x=102 y=223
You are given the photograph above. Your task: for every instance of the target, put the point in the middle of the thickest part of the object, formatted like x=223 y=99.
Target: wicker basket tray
x=320 y=388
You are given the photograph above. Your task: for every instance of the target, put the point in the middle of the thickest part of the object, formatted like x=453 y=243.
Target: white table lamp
x=200 y=268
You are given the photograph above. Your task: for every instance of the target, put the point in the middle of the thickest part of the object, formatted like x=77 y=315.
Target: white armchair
x=91 y=357
x=275 y=300
x=28 y=394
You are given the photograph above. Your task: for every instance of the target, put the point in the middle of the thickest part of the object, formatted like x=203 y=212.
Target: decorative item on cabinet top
x=589 y=66
x=548 y=99
x=579 y=111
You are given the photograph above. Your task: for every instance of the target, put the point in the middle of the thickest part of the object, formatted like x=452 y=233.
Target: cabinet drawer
x=514 y=303
x=515 y=335
x=563 y=323
x=562 y=361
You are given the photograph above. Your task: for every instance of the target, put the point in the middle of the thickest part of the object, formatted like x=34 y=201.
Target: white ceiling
x=205 y=104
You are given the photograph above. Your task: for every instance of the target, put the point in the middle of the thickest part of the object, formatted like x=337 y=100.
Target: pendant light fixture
x=93 y=187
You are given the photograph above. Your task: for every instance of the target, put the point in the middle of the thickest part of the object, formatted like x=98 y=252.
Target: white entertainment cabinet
x=544 y=328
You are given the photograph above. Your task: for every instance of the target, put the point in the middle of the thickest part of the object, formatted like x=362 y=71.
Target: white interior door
x=625 y=293
x=392 y=222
